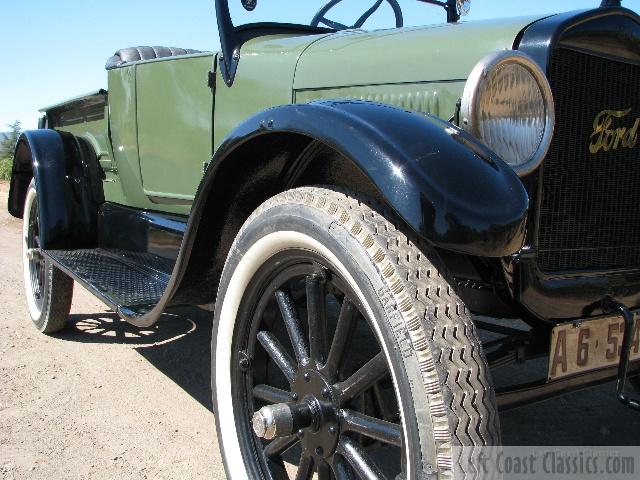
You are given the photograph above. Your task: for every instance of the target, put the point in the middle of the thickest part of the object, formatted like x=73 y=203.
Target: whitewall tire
x=299 y=262
x=48 y=290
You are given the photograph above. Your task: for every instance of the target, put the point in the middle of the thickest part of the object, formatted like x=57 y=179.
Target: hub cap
x=313 y=419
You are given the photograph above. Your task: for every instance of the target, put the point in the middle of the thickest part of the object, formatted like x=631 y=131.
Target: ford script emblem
x=607 y=136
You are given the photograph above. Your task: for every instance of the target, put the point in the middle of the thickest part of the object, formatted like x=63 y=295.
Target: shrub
x=5 y=168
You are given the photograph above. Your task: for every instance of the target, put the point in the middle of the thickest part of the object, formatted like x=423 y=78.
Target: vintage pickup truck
x=357 y=198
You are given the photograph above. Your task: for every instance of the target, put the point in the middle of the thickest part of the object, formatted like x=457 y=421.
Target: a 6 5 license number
x=589 y=345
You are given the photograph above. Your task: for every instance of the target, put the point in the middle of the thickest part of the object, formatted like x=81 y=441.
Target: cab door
x=174 y=113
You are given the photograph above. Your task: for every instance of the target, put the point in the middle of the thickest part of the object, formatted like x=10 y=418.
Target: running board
x=131 y=283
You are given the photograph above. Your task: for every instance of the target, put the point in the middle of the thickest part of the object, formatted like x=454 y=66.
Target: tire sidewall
x=295 y=225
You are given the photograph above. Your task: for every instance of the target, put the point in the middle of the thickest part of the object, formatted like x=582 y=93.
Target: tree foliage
x=6 y=149
x=9 y=142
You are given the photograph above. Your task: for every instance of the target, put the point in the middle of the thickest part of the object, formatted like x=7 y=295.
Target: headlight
x=508 y=105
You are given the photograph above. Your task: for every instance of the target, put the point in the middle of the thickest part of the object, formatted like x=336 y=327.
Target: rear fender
x=67 y=179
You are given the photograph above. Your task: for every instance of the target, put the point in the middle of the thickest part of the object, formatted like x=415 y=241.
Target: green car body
x=166 y=121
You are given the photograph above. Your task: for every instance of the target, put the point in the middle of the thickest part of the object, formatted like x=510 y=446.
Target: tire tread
x=58 y=304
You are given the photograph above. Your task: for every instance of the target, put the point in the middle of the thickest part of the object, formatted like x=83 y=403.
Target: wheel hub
x=313 y=416
x=336 y=408
x=311 y=386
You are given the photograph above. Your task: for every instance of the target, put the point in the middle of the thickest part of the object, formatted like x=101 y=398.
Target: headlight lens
x=508 y=105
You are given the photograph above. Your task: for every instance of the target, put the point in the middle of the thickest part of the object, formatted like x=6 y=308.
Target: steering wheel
x=319 y=17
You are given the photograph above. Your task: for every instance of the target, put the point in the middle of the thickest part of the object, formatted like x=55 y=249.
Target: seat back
x=134 y=54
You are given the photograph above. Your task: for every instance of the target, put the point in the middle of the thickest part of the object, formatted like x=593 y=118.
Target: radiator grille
x=588 y=217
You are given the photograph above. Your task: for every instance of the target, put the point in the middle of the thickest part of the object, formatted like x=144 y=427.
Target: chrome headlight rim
x=474 y=87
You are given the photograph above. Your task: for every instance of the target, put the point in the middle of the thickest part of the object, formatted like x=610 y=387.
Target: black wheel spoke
x=278 y=354
x=383 y=409
x=317 y=316
x=336 y=418
x=324 y=471
x=305 y=469
x=359 y=460
x=371 y=427
x=373 y=371
x=280 y=445
x=342 y=337
x=341 y=469
x=270 y=394
x=292 y=323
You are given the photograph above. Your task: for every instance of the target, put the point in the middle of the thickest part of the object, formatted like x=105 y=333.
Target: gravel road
x=104 y=400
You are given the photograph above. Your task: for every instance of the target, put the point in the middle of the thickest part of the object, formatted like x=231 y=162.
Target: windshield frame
x=232 y=37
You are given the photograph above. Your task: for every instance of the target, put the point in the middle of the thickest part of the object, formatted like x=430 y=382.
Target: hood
x=443 y=52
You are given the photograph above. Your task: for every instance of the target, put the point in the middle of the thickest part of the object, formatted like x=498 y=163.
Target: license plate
x=589 y=345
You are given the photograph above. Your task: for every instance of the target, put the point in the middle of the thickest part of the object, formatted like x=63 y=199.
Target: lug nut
x=332 y=430
x=307 y=377
x=326 y=393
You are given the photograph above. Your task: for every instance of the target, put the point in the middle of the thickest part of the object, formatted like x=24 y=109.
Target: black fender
x=68 y=183
x=448 y=187
x=451 y=190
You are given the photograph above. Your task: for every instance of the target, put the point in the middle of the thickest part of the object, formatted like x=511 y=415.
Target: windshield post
x=452 y=11
x=226 y=33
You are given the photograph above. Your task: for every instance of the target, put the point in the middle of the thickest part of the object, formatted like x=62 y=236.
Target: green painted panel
x=422 y=68
x=124 y=186
x=408 y=55
x=70 y=101
x=96 y=133
x=174 y=111
x=438 y=98
x=264 y=79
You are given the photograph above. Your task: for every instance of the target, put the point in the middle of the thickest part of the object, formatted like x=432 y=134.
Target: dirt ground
x=104 y=400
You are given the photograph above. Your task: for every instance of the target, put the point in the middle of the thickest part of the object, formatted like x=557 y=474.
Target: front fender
x=448 y=187
x=67 y=183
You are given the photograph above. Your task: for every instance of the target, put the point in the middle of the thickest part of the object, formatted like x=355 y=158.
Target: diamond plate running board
x=131 y=283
